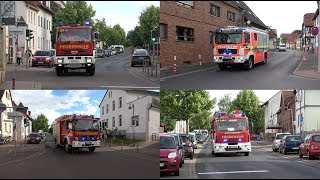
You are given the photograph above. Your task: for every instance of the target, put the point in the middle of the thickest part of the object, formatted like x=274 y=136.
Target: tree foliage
x=149 y=19
x=40 y=123
x=134 y=37
x=248 y=102
x=224 y=103
x=185 y=105
x=169 y=123
x=296 y=32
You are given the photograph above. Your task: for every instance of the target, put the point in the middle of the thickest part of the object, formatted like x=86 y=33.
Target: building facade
x=22 y=131
x=307 y=109
x=133 y=114
x=187 y=28
x=308 y=40
x=6 y=124
x=286 y=113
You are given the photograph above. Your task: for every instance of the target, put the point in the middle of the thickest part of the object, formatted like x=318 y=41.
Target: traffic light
x=25 y=122
x=153 y=39
x=29 y=34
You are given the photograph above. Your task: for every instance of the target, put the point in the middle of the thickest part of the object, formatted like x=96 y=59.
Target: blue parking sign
x=301 y=122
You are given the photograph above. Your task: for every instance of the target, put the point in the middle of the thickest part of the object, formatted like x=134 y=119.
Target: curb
x=296 y=69
x=129 y=68
x=26 y=158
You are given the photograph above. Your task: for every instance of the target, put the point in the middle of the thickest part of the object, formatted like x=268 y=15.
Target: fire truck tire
x=222 y=66
x=246 y=153
x=91 y=149
x=249 y=63
x=265 y=58
x=67 y=148
x=59 y=71
x=90 y=70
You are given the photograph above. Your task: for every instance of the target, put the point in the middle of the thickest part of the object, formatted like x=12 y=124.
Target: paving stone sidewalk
x=308 y=67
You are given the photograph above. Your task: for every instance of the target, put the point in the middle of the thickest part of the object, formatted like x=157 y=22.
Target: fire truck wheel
x=90 y=70
x=249 y=63
x=59 y=71
x=67 y=147
x=222 y=66
x=91 y=149
x=265 y=58
x=246 y=153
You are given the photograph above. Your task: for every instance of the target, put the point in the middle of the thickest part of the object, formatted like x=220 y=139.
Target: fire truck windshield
x=231 y=125
x=74 y=34
x=228 y=38
x=85 y=125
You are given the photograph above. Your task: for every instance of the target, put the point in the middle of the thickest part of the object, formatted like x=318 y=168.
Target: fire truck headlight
x=89 y=60
x=76 y=143
x=241 y=58
x=217 y=148
x=59 y=60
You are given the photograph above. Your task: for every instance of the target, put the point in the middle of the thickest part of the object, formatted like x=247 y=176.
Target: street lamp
x=133 y=123
x=15 y=114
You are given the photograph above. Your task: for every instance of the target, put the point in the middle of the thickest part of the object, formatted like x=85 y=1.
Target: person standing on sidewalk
x=19 y=56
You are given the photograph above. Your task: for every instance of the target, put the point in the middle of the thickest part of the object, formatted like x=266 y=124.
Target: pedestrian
x=19 y=56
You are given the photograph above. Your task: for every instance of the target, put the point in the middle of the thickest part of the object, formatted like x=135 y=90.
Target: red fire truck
x=245 y=46
x=76 y=132
x=230 y=133
x=75 y=48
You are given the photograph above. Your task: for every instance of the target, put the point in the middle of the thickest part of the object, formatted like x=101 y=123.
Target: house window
x=5 y=127
x=164 y=31
x=231 y=16
x=113 y=105
x=211 y=34
x=120 y=102
x=215 y=10
x=120 y=120
x=102 y=110
x=38 y=20
x=47 y=24
x=9 y=128
x=41 y=22
x=44 y=23
x=255 y=37
x=137 y=122
x=184 y=33
x=107 y=108
x=38 y=42
x=34 y=18
x=186 y=3
x=113 y=122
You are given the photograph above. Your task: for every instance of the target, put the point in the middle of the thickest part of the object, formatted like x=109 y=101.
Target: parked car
x=199 y=138
x=139 y=57
x=34 y=138
x=276 y=141
x=108 y=52
x=310 y=146
x=100 y=53
x=193 y=140
x=282 y=47
x=178 y=141
x=187 y=145
x=290 y=143
x=44 y=58
x=169 y=154
x=42 y=135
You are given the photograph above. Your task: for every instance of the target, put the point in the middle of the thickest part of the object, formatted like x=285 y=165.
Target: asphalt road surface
x=101 y=164
x=111 y=72
x=258 y=165
x=276 y=74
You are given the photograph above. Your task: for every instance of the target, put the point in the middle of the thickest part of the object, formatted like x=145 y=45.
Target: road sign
x=16 y=29
x=314 y=31
x=21 y=22
x=301 y=121
x=8 y=13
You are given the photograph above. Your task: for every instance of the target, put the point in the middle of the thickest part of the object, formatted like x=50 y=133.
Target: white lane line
x=130 y=87
x=234 y=172
x=164 y=78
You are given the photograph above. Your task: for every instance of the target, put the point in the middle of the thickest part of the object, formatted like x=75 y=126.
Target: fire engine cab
x=245 y=46
x=230 y=133
x=76 y=132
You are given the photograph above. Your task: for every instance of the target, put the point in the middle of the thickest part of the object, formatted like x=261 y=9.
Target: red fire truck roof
x=75 y=27
x=74 y=117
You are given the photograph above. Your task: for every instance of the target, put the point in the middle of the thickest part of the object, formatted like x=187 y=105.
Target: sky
x=284 y=16
x=55 y=103
x=125 y=13
x=263 y=95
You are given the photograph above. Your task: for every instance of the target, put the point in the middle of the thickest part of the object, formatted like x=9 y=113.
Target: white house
x=271 y=108
x=6 y=124
x=133 y=113
x=22 y=131
x=307 y=111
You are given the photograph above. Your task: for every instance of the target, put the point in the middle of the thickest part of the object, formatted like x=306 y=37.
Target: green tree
x=296 y=31
x=50 y=130
x=149 y=19
x=200 y=120
x=225 y=103
x=169 y=123
x=40 y=123
x=183 y=104
x=134 y=37
x=75 y=12
x=248 y=102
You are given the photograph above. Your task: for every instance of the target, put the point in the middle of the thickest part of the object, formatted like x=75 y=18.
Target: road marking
x=234 y=172
x=130 y=87
x=161 y=79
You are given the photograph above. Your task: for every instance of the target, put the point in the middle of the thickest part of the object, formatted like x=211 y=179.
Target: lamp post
x=133 y=123
x=15 y=114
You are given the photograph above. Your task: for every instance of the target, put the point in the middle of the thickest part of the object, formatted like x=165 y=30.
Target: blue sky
x=125 y=13
x=54 y=103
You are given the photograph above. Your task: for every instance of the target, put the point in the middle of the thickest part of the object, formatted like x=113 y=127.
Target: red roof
x=307 y=19
x=292 y=38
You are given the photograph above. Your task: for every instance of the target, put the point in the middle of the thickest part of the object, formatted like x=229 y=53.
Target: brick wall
x=199 y=19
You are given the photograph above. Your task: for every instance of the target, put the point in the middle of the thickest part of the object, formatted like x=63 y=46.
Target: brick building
x=307 y=38
x=187 y=27
x=286 y=113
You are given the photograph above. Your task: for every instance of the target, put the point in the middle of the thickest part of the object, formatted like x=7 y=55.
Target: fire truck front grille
x=227 y=51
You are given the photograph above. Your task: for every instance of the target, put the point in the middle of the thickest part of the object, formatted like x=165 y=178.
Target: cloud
x=53 y=104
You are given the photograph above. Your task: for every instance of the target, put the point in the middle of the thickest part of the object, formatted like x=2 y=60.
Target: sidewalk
x=153 y=76
x=308 y=67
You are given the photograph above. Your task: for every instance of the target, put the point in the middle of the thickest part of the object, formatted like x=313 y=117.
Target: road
x=101 y=164
x=260 y=164
x=276 y=74
x=111 y=72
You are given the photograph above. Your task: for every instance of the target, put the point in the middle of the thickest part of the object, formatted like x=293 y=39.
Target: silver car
x=276 y=141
